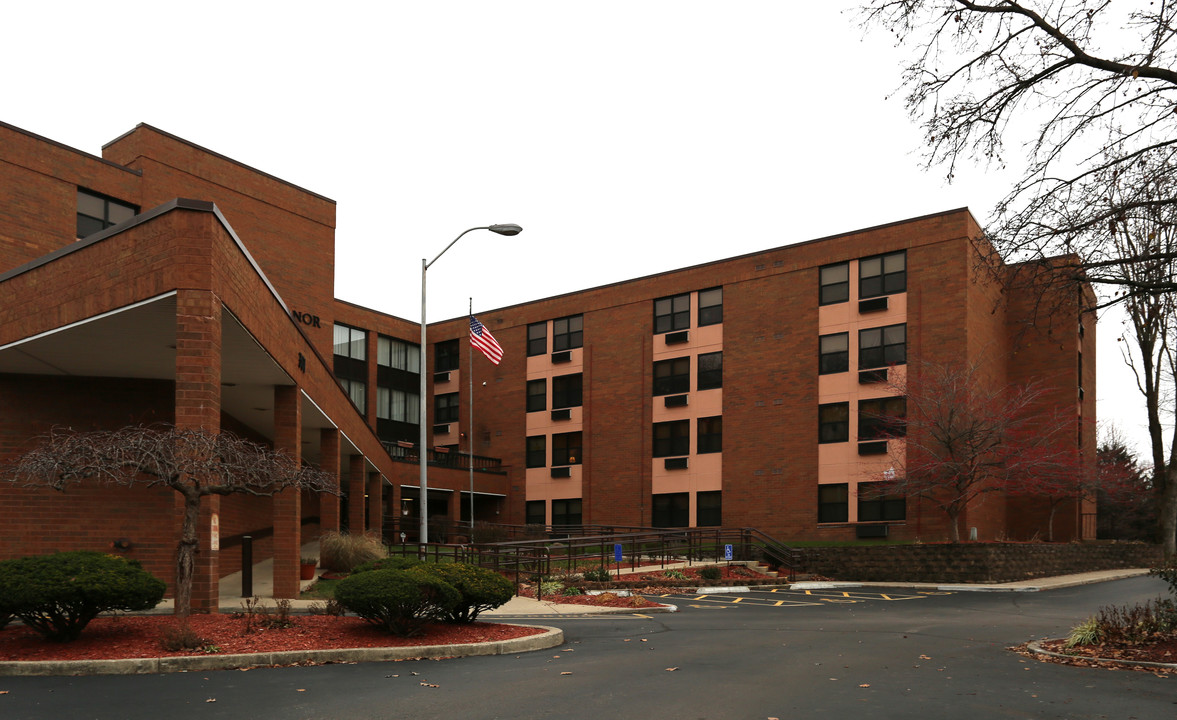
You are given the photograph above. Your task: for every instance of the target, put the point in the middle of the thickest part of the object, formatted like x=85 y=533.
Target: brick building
x=162 y=282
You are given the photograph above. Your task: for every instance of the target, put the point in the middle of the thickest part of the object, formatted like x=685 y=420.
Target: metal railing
x=407 y=452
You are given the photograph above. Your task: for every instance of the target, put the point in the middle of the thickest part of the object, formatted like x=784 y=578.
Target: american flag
x=481 y=338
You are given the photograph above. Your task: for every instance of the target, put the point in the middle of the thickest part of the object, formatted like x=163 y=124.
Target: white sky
x=626 y=137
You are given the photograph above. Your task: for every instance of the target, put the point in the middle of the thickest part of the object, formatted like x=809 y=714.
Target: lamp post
x=423 y=417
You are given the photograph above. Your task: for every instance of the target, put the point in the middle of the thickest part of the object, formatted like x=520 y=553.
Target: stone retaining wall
x=974 y=562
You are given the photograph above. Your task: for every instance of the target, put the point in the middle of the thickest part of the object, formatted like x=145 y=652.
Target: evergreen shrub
x=401 y=602
x=480 y=589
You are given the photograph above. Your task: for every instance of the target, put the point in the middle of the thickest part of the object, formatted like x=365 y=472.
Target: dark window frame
x=672 y=438
x=833 y=423
x=830 y=362
x=878 y=418
x=537 y=339
x=709 y=508
x=670 y=509
x=712 y=312
x=567 y=511
x=536 y=451
x=709 y=435
x=531 y=517
x=890 y=282
x=87 y=224
x=671 y=315
x=672 y=376
x=874 y=350
x=884 y=507
x=567 y=333
x=537 y=401
x=833 y=503
x=837 y=291
x=446 y=408
x=709 y=378
x=447 y=355
x=567 y=448
x=567 y=391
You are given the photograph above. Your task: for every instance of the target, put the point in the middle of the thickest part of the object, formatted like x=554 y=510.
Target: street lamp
x=423 y=417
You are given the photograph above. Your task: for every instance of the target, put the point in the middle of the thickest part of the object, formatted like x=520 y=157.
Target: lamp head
x=507 y=229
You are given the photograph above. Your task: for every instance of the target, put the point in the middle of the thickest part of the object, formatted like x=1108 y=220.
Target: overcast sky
x=627 y=138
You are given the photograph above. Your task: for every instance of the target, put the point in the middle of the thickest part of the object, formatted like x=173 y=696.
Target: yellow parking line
x=736 y=600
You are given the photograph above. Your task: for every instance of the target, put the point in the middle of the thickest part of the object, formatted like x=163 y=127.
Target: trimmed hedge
x=392 y=562
x=480 y=589
x=402 y=602
x=58 y=595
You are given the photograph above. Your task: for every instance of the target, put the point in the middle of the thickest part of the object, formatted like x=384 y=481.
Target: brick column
x=198 y=405
x=375 y=504
x=288 y=503
x=329 y=462
x=356 y=477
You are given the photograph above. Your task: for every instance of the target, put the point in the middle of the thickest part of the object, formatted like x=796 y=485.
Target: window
x=397 y=405
x=833 y=422
x=566 y=449
x=710 y=435
x=882 y=346
x=537 y=395
x=537 y=339
x=398 y=354
x=710 y=306
x=672 y=313
x=536 y=512
x=874 y=504
x=709 y=508
x=671 y=510
x=537 y=451
x=881 y=418
x=672 y=438
x=98 y=212
x=835 y=284
x=833 y=503
x=357 y=391
x=445 y=408
x=446 y=356
x=672 y=377
x=566 y=391
x=834 y=354
x=350 y=342
x=710 y=371
x=882 y=275
x=566 y=512
x=567 y=333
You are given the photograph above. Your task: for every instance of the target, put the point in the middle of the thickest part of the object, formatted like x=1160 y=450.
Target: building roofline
x=365 y=308
x=218 y=155
x=63 y=146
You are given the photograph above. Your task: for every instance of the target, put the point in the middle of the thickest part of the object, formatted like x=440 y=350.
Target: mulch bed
x=140 y=636
x=1163 y=650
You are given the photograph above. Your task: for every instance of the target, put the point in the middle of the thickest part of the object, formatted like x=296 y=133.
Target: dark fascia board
x=215 y=154
x=63 y=146
x=177 y=204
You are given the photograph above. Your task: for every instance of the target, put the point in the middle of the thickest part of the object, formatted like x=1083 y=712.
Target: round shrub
x=392 y=562
x=710 y=573
x=402 y=602
x=480 y=589
x=58 y=595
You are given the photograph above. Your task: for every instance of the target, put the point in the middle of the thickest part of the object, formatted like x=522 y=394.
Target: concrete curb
x=1037 y=649
x=200 y=663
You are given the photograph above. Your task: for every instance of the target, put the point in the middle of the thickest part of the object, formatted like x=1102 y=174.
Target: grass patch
x=322 y=589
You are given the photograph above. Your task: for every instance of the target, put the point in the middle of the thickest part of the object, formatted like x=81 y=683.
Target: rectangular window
x=357 y=391
x=566 y=391
x=398 y=354
x=537 y=395
x=537 y=451
x=671 y=510
x=445 y=408
x=835 y=283
x=881 y=418
x=566 y=512
x=397 y=405
x=833 y=422
x=874 y=504
x=833 y=504
x=536 y=512
x=835 y=354
x=710 y=435
x=710 y=371
x=446 y=356
x=882 y=275
x=709 y=509
x=350 y=342
x=710 y=306
x=537 y=339
x=98 y=212
x=672 y=377
x=567 y=333
x=672 y=438
x=882 y=346
x=566 y=449
x=672 y=313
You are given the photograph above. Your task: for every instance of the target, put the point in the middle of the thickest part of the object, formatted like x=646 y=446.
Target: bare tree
x=966 y=437
x=192 y=462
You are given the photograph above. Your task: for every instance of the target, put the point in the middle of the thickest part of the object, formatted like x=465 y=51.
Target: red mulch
x=606 y=599
x=730 y=572
x=1163 y=650
x=140 y=636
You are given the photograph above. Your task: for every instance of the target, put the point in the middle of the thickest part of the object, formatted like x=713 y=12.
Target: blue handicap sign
x=617 y=552
x=727 y=552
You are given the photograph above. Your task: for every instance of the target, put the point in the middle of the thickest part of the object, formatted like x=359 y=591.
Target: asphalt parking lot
x=876 y=653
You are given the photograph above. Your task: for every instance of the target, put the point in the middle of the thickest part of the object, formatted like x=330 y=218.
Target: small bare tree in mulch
x=193 y=462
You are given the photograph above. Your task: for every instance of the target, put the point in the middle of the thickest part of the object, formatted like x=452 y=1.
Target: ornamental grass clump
x=343 y=552
x=58 y=595
x=402 y=602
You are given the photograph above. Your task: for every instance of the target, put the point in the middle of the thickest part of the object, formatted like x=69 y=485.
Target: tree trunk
x=1167 y=517
x=186 y=553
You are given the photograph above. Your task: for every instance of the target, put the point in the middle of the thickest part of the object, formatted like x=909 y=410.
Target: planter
x=306 y=571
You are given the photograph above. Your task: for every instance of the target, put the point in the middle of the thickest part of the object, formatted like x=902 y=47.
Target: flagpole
x=470 y=431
